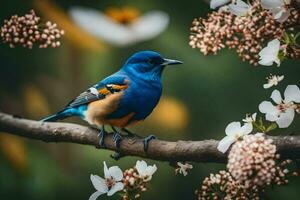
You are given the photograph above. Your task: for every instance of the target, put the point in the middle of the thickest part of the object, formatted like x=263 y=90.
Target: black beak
x=171 y=62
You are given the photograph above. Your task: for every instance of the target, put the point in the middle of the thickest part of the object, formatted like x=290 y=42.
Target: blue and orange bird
x=123 y=98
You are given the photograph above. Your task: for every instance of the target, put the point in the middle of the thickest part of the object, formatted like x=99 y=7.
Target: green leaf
x=271 y=127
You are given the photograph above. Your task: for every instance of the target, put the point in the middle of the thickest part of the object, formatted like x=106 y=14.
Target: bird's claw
x=146 y=141
x=117 y=138
x=102 y=135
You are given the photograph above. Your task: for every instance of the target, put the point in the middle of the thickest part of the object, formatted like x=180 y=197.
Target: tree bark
x=197 y=151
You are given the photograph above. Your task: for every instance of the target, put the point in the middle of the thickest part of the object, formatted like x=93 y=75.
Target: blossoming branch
x=248 y=28
x=28 y=30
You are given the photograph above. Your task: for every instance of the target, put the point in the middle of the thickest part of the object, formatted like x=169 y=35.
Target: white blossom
x=144 y=170
x=273 y=80
x=100 y=25
x=234 y=131
x=284 y=111
x=270 y=53
x=223 y=9
x=278 y=8
x=239 y=8
x=110 y=184
x=217 y=3
x=183 y=168
x=250 y=118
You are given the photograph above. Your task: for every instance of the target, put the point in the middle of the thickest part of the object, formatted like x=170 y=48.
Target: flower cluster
x=28 y=30
x=136 y=179
x=131 y=182
x=222 y=186
x=252 y=166
x=252 y=161
x=246 y=28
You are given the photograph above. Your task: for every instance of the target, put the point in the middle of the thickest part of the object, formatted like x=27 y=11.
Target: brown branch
x=199 y=151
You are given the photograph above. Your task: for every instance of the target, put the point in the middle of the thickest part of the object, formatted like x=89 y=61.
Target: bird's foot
x=102 y=135
x=146 y=141
x=117 y=138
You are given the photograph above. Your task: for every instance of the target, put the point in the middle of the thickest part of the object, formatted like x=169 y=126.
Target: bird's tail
x=58 y=116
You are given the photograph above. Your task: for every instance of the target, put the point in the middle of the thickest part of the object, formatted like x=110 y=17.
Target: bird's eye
x=152 y=62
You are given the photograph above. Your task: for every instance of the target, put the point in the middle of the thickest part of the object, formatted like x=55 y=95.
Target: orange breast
x=121 y=122
x=98 y=110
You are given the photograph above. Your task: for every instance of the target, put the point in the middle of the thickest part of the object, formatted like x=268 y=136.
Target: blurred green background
x=200 y=98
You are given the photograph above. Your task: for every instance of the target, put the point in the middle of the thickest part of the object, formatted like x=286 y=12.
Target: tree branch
x=198 y=151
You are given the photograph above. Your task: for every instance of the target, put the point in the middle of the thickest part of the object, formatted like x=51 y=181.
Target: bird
x=124 y=98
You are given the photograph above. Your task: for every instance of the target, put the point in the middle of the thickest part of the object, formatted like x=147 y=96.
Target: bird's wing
x=99 y=91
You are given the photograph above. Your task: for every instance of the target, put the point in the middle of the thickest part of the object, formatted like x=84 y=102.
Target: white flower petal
x=116 y=173
x=267 y=51
x=280 y=78
x=141 y=167
x=99 y=183
x=250 y=119
x=277 y=12
x=95 y=195
x=272 y=117
x=145 y=27
x=101 y=26
x=239 y=8
x=271 y=49
x=106 y=172
x=269 y=4
x=268 y=85
x=254 y=116
x=274 y=45
x=149 y=25
x=233 y=128
x=246 y=128
x=285 y=15
x=261 y=62
x=225 y=143
x=292 y=93
x=151 y=170
x=267 y=107
x=286 y=118
x=217 y=3
x=223 y=8
x=281 y=14
x=267 y=61
x=269 y=54
x=276 y=96
x=183 y=172
x=115 y=188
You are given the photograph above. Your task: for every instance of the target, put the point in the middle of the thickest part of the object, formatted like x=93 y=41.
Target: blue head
x=147 y=65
